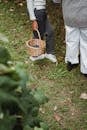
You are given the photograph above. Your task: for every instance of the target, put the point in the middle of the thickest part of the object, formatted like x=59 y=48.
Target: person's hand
x=34 y=25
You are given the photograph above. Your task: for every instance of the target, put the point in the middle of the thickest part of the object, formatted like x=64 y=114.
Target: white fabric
x=56 y=1
x=32 y=4
x=76 y=42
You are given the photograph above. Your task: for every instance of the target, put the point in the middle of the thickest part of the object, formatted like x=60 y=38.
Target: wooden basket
x=36 y=47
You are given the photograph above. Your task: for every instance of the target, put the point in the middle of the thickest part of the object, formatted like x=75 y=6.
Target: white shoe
x=51 y=57
x=34 y=58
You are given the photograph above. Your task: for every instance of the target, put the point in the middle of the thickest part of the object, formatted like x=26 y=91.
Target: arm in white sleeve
x=56 y=1
x=30 y=7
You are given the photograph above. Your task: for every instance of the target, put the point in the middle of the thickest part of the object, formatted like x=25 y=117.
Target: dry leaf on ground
x=57 y=117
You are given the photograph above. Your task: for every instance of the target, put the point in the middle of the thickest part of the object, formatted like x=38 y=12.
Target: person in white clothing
x=75 y=20
x=38 y=16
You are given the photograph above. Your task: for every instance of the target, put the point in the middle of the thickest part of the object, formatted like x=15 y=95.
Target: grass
x=62 y=87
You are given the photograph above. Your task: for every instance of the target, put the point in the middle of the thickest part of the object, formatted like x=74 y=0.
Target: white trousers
x=76 y=44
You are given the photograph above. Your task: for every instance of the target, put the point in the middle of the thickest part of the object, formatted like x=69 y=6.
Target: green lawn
x=65 y=110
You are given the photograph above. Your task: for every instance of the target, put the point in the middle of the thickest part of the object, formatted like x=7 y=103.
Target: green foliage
x=19 y=105
x=44 y=126
x=58 y=72
x=36 y=128
x=39 y=96
x=7 y=122
x=4 y=55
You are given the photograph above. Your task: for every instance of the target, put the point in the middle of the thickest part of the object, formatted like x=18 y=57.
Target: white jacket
x=32 y=4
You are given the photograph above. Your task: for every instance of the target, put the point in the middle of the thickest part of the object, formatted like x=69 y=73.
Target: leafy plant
x=19 y=105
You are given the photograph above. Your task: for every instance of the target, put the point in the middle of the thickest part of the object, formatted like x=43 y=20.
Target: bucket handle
x=38 y=33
